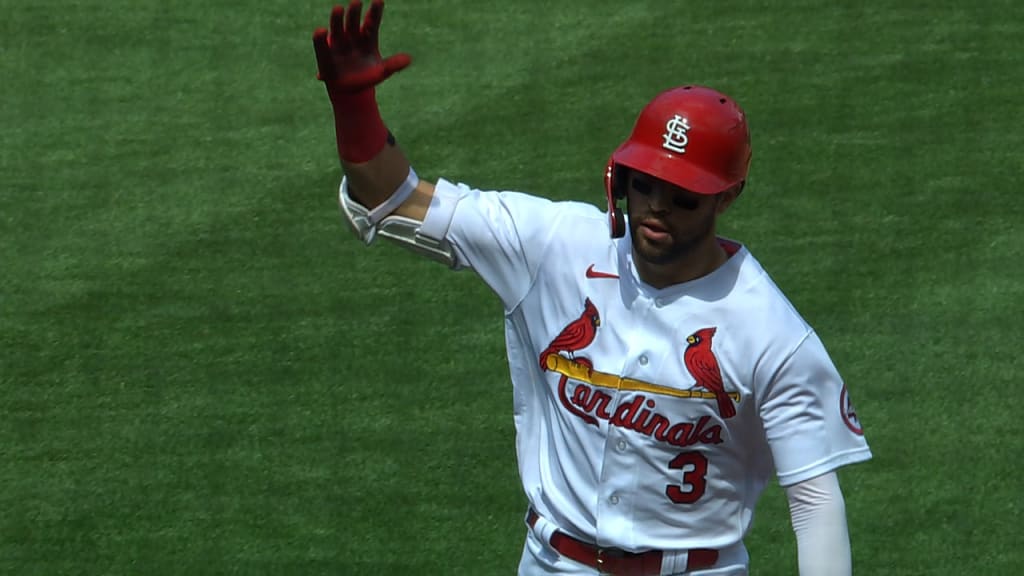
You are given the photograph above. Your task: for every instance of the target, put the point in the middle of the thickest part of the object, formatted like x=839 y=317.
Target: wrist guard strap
x=358 y=127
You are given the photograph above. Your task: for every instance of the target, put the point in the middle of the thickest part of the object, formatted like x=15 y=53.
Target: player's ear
x=727 y=197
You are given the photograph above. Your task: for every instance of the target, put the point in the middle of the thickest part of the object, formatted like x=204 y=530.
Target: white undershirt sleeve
x=818 y=513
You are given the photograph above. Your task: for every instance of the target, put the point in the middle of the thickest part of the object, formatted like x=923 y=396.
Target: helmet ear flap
x=614 y=190
x=618 y=223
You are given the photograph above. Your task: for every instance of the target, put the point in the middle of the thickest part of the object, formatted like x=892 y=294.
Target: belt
x=619 y=562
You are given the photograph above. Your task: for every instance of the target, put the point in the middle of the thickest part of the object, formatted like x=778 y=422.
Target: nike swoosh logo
x=591 y=273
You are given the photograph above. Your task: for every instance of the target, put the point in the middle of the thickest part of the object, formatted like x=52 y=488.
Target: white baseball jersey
x=646 y=418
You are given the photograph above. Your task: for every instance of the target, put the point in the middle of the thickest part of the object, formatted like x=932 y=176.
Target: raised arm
x=350 y=65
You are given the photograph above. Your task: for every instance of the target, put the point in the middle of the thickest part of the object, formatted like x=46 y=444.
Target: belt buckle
x=605 y=554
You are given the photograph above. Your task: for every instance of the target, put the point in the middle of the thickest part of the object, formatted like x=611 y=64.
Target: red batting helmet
x=693 y=136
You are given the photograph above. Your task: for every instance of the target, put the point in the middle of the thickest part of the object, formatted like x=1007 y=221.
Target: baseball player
x=660 y=378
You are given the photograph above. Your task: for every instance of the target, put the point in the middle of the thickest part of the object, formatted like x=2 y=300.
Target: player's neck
x=704 y=259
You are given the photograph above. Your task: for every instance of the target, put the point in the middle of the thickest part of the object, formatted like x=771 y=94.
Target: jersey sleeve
x=809 y=421
x=499 y=235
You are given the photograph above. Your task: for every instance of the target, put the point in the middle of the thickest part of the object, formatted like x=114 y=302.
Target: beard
x=680 y=244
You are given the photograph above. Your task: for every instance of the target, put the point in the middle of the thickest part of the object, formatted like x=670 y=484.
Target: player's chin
x=654 y=252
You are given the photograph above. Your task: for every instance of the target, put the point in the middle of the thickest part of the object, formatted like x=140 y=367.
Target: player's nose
x=659 y=200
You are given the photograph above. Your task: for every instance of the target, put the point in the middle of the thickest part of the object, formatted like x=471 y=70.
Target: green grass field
x=203 y=372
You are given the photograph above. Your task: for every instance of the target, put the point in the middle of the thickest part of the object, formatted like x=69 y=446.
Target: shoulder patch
x=848 y=413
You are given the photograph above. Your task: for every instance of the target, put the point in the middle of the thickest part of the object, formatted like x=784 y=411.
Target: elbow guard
x=367 y=224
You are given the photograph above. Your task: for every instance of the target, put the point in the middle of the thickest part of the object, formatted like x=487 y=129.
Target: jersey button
x=659 y=302
x=621 y=445
x=613 y=500
x=643 y=360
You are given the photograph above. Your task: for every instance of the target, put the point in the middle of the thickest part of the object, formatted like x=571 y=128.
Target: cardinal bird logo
x=576 y=336
x=703 y=366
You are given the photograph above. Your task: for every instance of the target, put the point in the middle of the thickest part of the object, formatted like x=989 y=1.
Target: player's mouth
x=654 y=231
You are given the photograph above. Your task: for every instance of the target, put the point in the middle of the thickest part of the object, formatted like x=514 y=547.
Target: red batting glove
x=348 y=57
x=350 y=65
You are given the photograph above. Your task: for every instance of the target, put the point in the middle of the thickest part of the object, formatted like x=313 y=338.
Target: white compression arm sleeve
x=818 y=512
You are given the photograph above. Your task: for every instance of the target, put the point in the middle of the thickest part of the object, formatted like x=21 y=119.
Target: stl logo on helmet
x=675 y=134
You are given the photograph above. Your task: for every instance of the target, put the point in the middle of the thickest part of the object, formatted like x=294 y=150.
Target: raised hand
x=348 y=55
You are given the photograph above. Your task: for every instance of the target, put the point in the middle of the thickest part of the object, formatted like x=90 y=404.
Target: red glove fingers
x=348 y=55
x=324 y=61
x=371 y=27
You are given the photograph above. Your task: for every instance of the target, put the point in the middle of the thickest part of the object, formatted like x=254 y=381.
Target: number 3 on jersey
x=695 y=469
